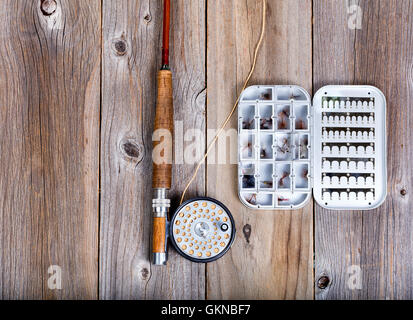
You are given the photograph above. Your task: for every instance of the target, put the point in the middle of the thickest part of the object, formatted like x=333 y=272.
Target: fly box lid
x=289 y=147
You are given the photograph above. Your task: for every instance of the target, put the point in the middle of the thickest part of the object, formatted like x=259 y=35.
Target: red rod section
x=165 y=42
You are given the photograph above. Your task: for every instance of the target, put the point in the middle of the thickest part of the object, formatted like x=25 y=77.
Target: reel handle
x=163 y=133
x=160 y=208
x=159 y=254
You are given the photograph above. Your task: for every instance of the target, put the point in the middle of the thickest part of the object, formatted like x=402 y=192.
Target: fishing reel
x=202 y=229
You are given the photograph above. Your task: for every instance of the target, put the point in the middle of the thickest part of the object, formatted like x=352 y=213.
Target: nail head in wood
x=323 y=282
x=147 y=18
x=48 y=7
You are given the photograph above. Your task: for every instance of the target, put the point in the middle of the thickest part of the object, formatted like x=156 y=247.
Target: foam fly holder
x=290 y=147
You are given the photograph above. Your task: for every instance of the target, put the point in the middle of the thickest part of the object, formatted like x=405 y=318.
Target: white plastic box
x=334 y=147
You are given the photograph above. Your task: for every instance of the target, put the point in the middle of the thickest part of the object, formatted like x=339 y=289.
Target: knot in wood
x=144 y=273
x=48 y=7
x=403 y=192
x=131 y=150
x=247 y=232
x=119 y=46
x=323 y=282
x=200 y=100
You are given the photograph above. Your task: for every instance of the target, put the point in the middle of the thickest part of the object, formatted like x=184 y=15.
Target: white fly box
x=290 y=147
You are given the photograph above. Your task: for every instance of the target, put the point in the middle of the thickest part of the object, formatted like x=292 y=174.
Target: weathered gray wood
x=131 y=58
x=380 y=242
x=49 y=146
x=272 y=255
x=50 y=82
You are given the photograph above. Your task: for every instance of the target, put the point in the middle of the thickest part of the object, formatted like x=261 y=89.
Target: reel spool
x=202 y=230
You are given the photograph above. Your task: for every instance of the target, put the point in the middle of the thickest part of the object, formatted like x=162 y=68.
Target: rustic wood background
x=77 y=100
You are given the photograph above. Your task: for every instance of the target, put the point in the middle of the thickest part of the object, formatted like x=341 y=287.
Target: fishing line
x=256 y=51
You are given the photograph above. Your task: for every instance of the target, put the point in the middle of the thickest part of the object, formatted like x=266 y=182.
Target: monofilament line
x=257 y=48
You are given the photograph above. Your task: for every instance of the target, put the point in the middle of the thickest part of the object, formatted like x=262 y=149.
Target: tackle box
x=290 y=147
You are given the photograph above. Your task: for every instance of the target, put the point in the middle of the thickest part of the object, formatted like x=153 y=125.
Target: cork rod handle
x=163 y=134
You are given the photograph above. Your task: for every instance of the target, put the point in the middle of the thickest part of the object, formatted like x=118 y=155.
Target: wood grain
x=131 y=60
x=380 y=242
x=49 y=128
x=272 y=255
x=57 y=79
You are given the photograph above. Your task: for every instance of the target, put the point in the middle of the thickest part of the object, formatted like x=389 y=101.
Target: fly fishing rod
x=162 y=166
x=201 y=229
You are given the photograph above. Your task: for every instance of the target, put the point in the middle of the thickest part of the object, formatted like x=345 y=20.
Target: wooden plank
x=272 y=255
x=379 y=243
x=49 y=124
x=131 y=59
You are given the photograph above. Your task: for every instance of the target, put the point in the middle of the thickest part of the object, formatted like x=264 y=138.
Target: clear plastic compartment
x=258 y=200
x=301 y=176
x=266 y=146
x=304 y=147
x=257 y=93
x=247 y=117
x=291 y=93
x=289 y=200
x=301 y=117
x=248 y=176
x=284 y=147
x=265 y=200
x=283 y=118
x=247 y=146
x=266 y=176
x=266 y=117
x=283 y=123
x=248 y=182
x=283 y=176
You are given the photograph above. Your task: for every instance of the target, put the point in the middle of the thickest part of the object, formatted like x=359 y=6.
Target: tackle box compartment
x=290 y=147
